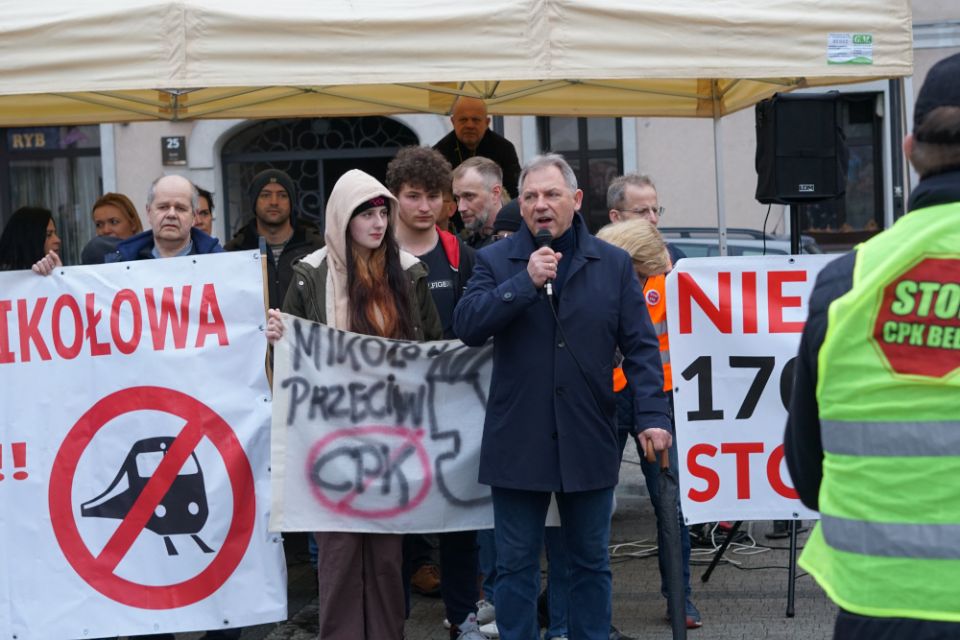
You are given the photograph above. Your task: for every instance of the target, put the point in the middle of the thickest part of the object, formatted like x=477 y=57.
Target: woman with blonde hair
x=114 y=215
x=639 y=238
x=361 y=282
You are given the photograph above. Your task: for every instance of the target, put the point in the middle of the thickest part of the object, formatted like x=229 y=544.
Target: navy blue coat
x=140 y=246
x=548 y=426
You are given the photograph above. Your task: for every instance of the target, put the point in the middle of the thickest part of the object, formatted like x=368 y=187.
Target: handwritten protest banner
x=134 y=462
x=377 y=435
x=734 y=327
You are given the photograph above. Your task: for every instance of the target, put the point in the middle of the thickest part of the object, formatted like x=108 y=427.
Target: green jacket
x=306 y=297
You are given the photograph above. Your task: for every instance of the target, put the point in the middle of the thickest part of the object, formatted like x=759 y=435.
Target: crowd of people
x=441 y=250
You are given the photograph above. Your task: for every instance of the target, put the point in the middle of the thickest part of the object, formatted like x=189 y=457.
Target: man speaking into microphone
x=550 y=425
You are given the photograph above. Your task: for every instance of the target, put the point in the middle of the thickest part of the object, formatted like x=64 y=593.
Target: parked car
x=698 y=242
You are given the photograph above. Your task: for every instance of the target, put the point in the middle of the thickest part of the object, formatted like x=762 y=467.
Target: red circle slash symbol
x=99 y=571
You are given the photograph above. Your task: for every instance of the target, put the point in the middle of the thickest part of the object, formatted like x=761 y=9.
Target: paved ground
x=745 y=599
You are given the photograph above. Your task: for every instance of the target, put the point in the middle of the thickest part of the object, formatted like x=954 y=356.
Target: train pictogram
x=182 y=511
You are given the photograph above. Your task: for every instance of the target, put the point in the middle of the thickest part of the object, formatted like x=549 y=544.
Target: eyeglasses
x=645 y=211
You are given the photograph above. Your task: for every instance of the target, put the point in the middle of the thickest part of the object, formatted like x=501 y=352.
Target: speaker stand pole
x=792 y=569
x=796 y=210
x=718 y=554
x=718 y=171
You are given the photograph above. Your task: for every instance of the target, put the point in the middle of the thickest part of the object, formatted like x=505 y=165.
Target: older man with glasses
x=635 y=196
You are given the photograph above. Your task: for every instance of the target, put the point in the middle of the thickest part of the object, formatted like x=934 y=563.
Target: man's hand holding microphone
x=543 y=262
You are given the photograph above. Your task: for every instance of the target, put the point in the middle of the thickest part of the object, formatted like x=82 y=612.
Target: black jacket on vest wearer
x=492 y=145
x=306 y=239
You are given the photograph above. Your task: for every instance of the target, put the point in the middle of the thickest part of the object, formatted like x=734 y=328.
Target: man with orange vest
x=630 y=197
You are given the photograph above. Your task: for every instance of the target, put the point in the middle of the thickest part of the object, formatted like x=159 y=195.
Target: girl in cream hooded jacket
x=361 y=593
x=319 y=293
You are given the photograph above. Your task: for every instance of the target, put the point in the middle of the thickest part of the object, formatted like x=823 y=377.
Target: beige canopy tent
x=67 y=62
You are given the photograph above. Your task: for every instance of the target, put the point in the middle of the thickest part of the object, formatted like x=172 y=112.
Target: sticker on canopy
x=850 y=48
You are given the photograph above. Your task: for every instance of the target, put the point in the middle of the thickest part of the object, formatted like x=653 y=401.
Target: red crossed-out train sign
x=99 y=570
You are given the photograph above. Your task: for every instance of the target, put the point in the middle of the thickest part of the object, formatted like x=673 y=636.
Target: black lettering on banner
x=764 y=367
x=361 y=352
x=461 y=367
x=702 y=369
x=379 y=397
x=306 y=347
x=371 y=462
x=786 y=381
x=356 y=401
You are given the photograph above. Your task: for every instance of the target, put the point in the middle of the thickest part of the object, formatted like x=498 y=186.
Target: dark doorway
x=314 y=152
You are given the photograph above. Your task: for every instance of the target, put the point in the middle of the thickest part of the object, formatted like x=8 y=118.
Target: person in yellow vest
x=639 y=237
x=873 y=436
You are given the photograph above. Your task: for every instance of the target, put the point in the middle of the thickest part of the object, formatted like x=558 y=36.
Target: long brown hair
x=379 y=293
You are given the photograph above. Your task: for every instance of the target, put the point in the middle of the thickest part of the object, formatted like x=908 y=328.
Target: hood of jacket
x=352 y=189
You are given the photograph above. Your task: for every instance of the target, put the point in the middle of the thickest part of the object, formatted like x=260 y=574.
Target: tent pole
x=718 y=169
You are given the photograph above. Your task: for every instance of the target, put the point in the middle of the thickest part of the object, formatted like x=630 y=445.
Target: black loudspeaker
x=801 y=150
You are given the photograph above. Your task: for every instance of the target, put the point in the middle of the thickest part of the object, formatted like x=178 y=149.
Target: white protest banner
x=377 y=435
x=134 y=462
x=734 y=326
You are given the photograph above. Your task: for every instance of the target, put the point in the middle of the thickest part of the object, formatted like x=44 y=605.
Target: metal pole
x=718 y=169
x=792 y=569
x=896 y=136
x=719 y=553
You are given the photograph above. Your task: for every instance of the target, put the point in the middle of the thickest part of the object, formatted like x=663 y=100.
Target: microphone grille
x=543 y=238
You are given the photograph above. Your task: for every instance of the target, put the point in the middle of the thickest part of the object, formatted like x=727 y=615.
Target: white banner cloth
x=134 y=464
x=734 y=327
x=377 y=435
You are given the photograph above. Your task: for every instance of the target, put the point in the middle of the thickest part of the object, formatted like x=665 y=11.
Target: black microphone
x=543 y=239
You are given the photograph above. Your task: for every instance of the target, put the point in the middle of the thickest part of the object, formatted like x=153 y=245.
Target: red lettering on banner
x=5 y=354
x=158 y=323
x=30 y=330
x=704 y=473
x=720 y=314
x=749 y=302
x=776 y=301
x=93 y=319
x=773 y=475
x=170 y=317
x=211 y=320
x=73 y=350
x=742 y=451
x=126 y=346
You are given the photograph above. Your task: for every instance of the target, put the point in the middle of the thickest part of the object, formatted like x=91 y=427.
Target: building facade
x=67 y=168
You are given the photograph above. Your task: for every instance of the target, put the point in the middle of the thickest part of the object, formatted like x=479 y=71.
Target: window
x=594 y=149
x=57 y=168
